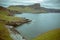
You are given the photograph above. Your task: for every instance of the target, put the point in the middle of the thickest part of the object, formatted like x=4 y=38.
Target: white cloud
x=34 y=1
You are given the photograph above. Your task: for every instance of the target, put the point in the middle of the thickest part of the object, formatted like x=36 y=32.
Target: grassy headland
x=6 y=18
x=35 y=8
x=27 y=9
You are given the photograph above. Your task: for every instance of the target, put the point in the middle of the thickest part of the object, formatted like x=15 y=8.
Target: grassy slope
x=3 y=16
x=10 y=18
x=26 y=9
x=50 y=35
x=4 y=12
x=4 y=34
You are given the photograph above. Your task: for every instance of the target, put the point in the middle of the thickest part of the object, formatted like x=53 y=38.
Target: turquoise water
x=40 y=23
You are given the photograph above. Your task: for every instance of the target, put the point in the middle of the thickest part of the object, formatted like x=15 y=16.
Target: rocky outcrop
x=6 y=15
x=13 y=21
x=35 y=6
x=18 y=23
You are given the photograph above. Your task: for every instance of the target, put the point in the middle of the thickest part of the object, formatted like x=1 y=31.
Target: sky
x=43 y=3
x=17 y=2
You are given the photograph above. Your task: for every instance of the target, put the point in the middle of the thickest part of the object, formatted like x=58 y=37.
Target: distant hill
x=35 y=8
x=53 y=10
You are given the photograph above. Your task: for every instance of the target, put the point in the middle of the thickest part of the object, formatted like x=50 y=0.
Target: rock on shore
x=13 y=21
x=6 y=15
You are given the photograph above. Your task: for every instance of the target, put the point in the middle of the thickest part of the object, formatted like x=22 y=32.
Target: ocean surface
x=40 y=23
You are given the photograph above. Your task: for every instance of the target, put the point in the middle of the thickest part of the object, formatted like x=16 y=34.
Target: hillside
x=4 y=34
x=7 y=20
x=5 y=15
x=50 y=35
x=35 y=8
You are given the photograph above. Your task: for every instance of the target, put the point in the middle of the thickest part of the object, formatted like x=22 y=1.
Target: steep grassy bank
x=50 y=35
x=4 y=34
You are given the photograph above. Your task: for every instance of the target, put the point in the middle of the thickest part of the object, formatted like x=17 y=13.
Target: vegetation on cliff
x=7 y=19
x=4 y=11
x=35 y=8
x=10 y=20
x=4 y=34
x=4 y=16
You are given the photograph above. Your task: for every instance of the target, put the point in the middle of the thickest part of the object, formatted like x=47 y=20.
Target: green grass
x=4 y=12
x=4 y=16
x=26 y=10
x=4 y=34
x=50 y=35
x=10 y=18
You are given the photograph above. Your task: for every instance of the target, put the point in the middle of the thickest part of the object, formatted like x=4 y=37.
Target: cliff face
x=4 y=11
x=34 y=6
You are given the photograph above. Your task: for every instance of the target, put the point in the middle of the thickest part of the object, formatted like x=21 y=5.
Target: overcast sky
x=44 y=3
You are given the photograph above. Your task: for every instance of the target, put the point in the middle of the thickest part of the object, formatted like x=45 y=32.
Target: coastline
x=7 y=18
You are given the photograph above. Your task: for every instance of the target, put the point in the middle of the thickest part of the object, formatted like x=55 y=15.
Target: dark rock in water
x=28 y=20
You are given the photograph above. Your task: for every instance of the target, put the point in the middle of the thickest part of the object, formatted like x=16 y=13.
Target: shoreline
x=10 y=19
x=12 y=22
